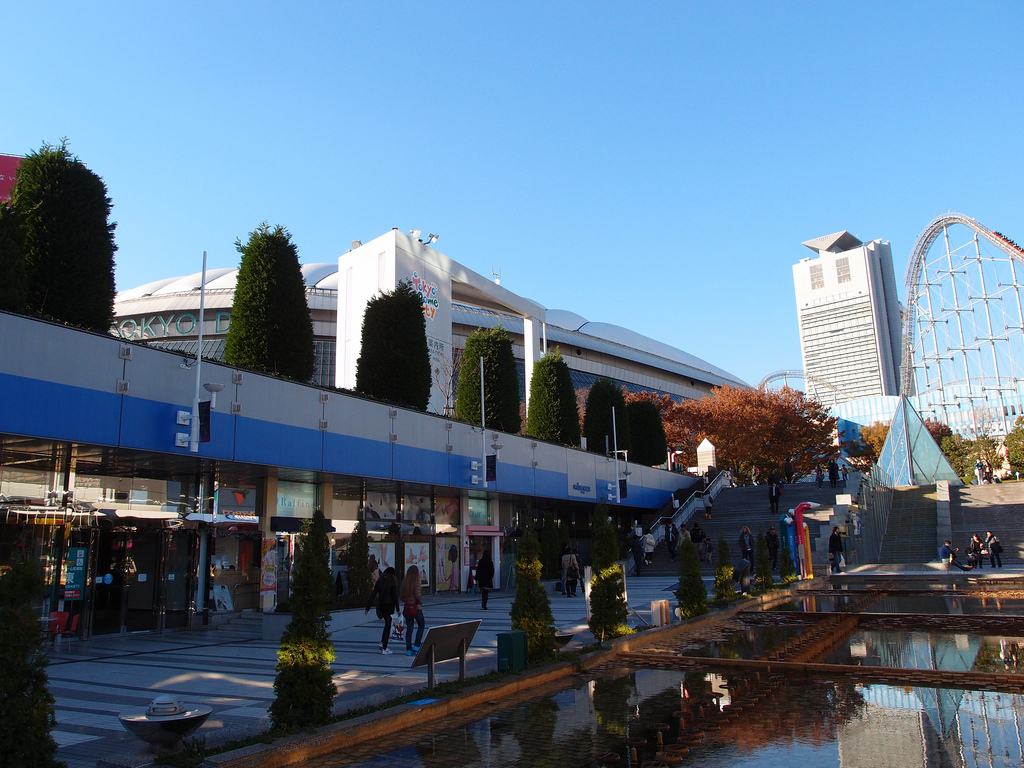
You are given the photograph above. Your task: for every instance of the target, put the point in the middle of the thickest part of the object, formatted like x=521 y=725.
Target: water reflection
x=939 y=651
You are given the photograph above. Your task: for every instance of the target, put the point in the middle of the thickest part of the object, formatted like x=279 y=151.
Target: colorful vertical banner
x=74 y=575
x=268 y=568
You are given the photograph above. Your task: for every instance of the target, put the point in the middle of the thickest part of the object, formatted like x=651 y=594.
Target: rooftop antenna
x=496 y=275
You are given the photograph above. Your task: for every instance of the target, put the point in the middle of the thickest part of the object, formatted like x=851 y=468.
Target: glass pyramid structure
x=910 y=455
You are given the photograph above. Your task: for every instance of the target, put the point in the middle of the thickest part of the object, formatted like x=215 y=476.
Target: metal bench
x=446 y=643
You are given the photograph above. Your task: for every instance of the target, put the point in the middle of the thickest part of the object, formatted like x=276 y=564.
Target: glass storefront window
x=480 y=512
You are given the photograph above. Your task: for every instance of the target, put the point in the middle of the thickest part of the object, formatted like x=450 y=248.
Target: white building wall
x=847 y=334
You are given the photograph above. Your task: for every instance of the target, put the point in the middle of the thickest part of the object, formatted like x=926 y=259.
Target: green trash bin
x=512 y=651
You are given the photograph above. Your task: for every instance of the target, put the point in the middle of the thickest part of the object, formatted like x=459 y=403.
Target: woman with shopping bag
x=386 y=592
x=412 y=599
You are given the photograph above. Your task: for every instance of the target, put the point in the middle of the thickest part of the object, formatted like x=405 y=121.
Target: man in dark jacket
x=485 y=576
x=835 y=548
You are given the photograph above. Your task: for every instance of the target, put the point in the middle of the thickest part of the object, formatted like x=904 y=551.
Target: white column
x=531 y=351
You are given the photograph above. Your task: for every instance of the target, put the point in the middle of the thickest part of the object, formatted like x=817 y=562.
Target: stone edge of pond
x=291 y=750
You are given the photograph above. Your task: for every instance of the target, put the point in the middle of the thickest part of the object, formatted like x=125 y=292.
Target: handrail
x=685 y=511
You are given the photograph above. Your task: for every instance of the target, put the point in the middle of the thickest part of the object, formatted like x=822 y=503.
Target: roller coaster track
x=784 y=375
x=914 y=268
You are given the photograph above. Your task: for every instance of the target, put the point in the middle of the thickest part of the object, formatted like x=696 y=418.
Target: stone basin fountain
x=165 y=723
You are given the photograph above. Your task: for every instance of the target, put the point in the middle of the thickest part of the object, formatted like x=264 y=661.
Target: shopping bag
x=398 y=628
x=842 y=561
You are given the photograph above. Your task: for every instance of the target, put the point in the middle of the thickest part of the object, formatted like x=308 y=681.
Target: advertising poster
x=384 y=551
x=74 y=575
x=268 y=568
x=381 y=506
x=295 y=499
x=416 y=509
x=446 y=555
x=418 y=553
x=447 y=513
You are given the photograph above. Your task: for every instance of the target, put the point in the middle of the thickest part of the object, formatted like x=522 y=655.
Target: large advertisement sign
x=74 y=575
x=268 y=568
x=8 y=165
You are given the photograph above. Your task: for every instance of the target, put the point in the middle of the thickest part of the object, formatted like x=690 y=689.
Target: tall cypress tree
x=303 y=688
x=646 y=433
x=67 y=239
x=394 y=362
x=608 y=608
x=531 y=610
x=271 y=331
x=553 y=414
x=597 y=419
x=501 y=381
x=26 y=705
x=13 y=281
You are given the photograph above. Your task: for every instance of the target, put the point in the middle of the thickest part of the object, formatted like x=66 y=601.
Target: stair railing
x=692 y=503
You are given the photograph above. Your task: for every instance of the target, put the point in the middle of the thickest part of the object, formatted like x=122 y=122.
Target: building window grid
x=843 y=270
x=817 y=277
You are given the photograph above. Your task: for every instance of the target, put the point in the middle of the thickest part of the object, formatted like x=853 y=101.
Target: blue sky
x=655 y=166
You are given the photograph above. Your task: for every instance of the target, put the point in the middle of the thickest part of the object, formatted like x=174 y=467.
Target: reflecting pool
x=601 y=721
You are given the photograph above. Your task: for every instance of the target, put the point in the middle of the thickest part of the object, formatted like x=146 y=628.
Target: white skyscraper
x=849 y=317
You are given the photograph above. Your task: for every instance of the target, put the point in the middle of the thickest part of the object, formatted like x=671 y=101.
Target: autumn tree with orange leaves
x=755 y=429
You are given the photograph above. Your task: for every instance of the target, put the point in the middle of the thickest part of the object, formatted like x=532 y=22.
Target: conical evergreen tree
x=763 y=564
x=270 y=330
x=787 y=568
x=724 y=589
x=553 y=414
x=67 y=239
x=26 y=705
x=692 y=594
x=360 y=583
x=303 y=688
x=531 y=610
x=394 y=362
x=608 y=608
x=597 y=419
x=13 y=281
x=501 y=381
x=648 y=444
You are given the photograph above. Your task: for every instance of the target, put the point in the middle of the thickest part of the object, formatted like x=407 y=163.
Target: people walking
x=976 y=552
x=709 y=502
x=485 y=576
x=788 y=470
x=819 y=475
x=571 y=569
x=412 y=599
x=835 y=549
x=637 y=550
x=995 y=549
x=774 y=494
x=772 y=540
x=833 y=472
x=649 y=545
x=747 y=545
x=697 y=537
x=385 y=591
x=672 y=539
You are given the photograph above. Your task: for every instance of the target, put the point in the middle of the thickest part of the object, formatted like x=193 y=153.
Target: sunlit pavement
x=234 y=673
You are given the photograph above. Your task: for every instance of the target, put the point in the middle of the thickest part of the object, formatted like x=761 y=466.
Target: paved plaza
x=234 y=673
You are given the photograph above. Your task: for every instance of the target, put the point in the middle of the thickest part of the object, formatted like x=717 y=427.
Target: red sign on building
x=8 y=164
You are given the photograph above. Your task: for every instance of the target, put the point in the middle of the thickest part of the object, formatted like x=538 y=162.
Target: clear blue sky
x=656 y=167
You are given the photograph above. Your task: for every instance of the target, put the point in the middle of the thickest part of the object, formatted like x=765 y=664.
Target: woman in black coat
x=386 y=592
x=485 y=576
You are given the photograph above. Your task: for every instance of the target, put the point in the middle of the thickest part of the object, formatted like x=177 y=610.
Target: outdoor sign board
x=74 y=576
x=8 y=165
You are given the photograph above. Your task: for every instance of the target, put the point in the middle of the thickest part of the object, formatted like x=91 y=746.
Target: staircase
x=244 y=623
x=748 y=506
x=998 y=508
x=910 y=532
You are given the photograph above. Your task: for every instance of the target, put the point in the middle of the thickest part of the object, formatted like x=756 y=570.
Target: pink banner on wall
x=8 y=164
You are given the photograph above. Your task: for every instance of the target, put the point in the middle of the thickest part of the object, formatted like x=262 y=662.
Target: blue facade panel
x=512 y=478
x=420 y=465
x=548 y=483
x=266 y=442
x=350 y=455
x=57 y=411
x=151 y=426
